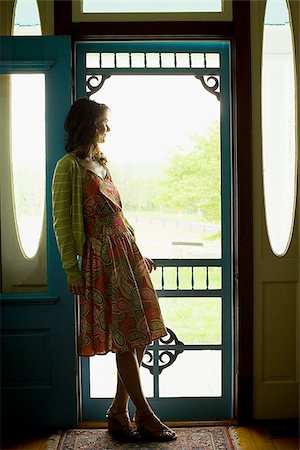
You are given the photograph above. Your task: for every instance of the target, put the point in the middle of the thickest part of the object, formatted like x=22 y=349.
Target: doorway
x=170 y=155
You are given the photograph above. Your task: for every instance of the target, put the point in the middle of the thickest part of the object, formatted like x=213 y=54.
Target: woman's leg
x=148 y=424
x=120 y=402
x=129 y=383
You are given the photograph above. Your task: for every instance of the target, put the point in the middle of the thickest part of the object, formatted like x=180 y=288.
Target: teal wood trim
x=227 y=224
x=13 y=300
x=25 y=66
x=171 y=409
x=189 y=347
x=152 y=71
x=190 y=292
x=151 y=46
x=26 y=350
x=188 y=262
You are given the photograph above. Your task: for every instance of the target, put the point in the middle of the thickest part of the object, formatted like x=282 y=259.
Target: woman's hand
x=77 y=287
x=150 y=264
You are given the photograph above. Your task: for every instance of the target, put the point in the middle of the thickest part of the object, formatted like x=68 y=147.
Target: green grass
x=194 y=320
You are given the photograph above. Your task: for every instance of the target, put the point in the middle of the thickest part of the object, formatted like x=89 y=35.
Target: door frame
x=209 y=410
x=237 y=32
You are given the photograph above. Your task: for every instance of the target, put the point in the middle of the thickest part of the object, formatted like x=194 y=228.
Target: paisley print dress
x=120 y=309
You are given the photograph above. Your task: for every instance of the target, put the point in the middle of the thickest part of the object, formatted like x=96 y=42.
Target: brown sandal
x=121 y=429
x=150 y=427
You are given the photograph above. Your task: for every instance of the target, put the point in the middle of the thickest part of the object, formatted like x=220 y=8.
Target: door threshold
x=174 y=424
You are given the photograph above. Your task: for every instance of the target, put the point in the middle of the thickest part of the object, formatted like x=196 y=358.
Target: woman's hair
x=82 y=132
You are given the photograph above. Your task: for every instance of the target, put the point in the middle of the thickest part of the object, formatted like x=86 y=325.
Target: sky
x=152 y=116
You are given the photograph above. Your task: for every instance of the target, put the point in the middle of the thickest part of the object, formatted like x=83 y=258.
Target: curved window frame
x=28 y=27
x=279 y=248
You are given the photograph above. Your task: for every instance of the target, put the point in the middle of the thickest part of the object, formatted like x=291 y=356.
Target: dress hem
x=123 y=351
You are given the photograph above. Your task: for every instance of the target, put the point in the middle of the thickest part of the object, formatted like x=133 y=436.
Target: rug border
x=56 y=440
x=233 y=433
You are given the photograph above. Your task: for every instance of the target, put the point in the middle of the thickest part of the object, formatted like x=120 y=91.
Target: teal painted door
x=179 y=202
x=39 y=368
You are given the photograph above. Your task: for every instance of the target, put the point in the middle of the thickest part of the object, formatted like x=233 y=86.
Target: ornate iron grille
x=109 y=63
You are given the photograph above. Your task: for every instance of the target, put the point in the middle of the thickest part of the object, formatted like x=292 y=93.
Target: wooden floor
x=251 y=438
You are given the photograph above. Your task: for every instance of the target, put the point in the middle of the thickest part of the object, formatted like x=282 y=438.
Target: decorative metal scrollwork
x=165 y=357
x=100 y=79
x=214 y=87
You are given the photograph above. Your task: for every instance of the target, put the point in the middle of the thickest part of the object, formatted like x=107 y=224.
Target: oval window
x=27 y=19
x=278 y=125
x=28 y=158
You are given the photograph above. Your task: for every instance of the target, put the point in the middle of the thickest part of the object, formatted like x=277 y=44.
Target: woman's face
x=102 y=126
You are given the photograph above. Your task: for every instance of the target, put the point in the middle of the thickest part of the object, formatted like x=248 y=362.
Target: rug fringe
x=53 y=441
x=235 y=438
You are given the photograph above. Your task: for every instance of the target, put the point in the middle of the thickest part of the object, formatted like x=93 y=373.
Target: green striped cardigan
x=67 y=201
x=67 y=197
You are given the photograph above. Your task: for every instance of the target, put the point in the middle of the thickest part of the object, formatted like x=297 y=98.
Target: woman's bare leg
x=147 y=423
x=120 y=402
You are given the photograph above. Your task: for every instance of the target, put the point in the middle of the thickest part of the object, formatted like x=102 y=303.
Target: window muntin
x=278 y=125
x=164 y=60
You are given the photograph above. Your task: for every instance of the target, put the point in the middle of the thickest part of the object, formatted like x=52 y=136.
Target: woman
x=119 y=310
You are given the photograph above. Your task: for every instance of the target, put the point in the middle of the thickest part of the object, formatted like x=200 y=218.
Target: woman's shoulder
x=67 y=162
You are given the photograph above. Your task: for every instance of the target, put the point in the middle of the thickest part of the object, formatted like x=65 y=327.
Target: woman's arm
x=62 y=201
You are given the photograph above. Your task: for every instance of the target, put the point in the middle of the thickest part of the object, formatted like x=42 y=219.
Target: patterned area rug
x=200 y=438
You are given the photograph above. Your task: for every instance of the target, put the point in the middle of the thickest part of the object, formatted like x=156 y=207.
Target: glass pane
x=92 y=60
x=103 y=377
x=152 y=60
x=212 y=60
x=194 y=320
x=122 y=59
x=167 y=60
x=28 y=158
x=197 y=60
x=107 y=60
x=214 y=278
x=278 y=125
x=138 y=60
x=27 y=19
x=195 y=373
x=182 y=60
x=164 y=155
x=146 y=6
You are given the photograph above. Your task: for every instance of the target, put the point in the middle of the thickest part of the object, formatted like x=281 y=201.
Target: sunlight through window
x=164 y=154
x=28 y=158
x=27 y=19
x=148 y=6
x=278 y=125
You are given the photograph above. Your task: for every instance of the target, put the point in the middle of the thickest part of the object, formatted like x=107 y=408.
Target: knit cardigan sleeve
x=65 y=203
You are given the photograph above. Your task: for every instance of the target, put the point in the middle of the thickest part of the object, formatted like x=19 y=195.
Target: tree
x=191 y=181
